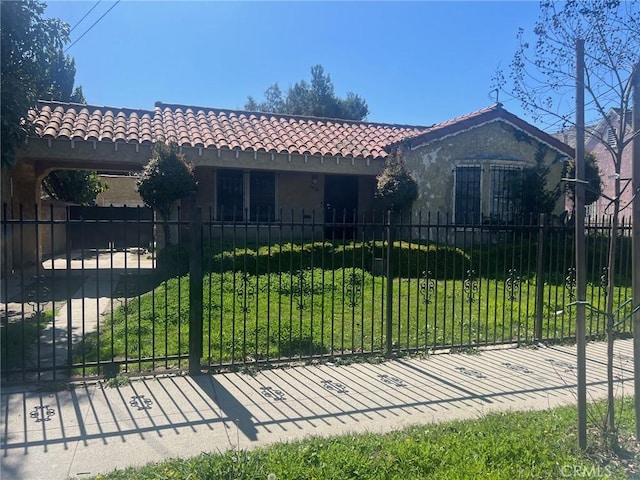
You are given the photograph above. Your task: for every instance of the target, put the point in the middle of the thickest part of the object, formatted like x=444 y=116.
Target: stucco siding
x=301 y=191
x=122 y=191
x=494 y=144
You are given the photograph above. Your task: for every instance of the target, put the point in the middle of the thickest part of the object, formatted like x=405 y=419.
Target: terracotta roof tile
x=192 y=126
x=480 y=117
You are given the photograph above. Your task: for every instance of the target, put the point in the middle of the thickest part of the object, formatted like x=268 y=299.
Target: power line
x=89 y=29
x=85 y=16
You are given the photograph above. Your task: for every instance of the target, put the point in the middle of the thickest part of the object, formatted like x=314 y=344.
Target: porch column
x=26 y=192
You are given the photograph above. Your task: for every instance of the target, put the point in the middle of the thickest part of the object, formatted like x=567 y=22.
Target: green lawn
x=327 y=312
x=510 y=446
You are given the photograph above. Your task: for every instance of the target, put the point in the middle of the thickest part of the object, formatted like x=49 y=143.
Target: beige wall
x=122 y=191
x=53 y=238
x=298 y=192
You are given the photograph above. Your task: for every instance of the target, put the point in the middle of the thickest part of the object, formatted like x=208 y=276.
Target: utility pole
x=635 y=239
x=581 y=274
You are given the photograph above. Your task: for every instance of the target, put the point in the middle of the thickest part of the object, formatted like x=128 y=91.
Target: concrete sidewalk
x=93 y=429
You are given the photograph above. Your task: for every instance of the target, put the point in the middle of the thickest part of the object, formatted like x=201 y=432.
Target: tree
x=317 y=99
x=395 y=185
x=543 y=78
x=536 y=197
x=74 y=186
x=34 y=67
x=593 y=188
x=165 y=180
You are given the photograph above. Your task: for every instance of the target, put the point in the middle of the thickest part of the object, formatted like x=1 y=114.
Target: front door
x=341 y=203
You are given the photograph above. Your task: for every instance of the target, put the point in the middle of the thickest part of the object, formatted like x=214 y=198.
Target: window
x=230 y=194
x=262 y=196
x=238 y=192
x=467 y=194
x=611 y=136
x=505 y=183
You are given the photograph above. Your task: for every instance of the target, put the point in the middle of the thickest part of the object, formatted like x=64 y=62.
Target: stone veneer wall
x=495 y=143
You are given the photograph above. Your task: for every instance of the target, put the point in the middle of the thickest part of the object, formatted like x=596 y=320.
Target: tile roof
x=480 y=117
x=254 y=131
x=219 y=128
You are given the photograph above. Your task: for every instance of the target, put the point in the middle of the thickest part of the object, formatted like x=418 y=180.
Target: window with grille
x=505 y=193
x=467 y=194
x=253 y=193
x=230 y=194
x=262 y=196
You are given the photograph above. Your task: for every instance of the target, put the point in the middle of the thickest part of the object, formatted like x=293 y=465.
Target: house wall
x=53 y=238
x=496 y=143
x=594 y=144
x=122 y=191
x=295 y=192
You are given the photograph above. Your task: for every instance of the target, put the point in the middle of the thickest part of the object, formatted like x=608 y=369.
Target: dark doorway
x=341 y=205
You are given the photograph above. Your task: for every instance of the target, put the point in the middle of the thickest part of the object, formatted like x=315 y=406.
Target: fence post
x=539 y=278
x=389 y=315
x=195 y=289
x=68 y=247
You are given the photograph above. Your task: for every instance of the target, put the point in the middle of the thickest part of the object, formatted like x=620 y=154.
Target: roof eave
x=493 y=115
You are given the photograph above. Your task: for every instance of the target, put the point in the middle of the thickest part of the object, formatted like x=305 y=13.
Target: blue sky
x=414 y=62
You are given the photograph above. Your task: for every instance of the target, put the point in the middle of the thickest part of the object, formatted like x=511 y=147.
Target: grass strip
x=514 y=445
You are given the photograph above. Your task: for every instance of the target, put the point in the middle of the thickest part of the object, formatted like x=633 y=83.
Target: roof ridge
x=492 y=108
x=89 y=105
x=289 y=115
x=159 y=104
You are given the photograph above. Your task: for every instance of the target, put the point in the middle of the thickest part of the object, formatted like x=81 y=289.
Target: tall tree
x=316 y=98
x=34 y=67
x=543 y=78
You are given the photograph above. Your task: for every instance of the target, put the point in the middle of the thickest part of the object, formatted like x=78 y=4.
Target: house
x=599 y=139
x=252 y=166
x=465 y=168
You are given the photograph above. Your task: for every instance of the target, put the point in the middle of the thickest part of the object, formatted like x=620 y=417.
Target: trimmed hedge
x=409 y=259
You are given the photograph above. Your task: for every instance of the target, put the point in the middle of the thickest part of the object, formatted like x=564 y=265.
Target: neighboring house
x=598 y=138
x=253 y=165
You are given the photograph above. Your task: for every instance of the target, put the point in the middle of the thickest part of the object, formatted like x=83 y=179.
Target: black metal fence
x=299 y=288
